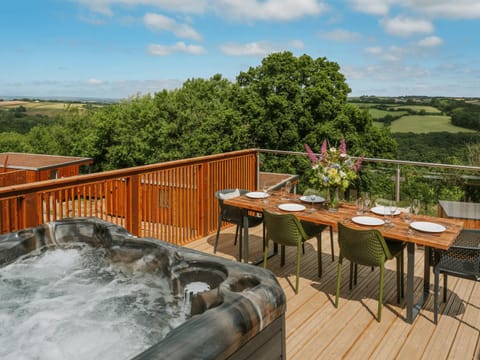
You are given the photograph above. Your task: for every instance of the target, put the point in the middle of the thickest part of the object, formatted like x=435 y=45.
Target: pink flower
x=324 y=149
x=358 y=163
x=343 y=146
x=311 y=155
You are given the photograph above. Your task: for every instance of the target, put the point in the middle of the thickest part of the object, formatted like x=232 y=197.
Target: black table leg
x=246 y=240
x=414 y=309
x=245 y=236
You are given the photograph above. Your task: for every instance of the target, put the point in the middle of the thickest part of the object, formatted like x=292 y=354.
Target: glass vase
x=333 y=199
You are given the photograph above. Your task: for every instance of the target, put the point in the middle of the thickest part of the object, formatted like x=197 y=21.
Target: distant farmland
x=427 y=118
x=419 y=124
x=48 y=108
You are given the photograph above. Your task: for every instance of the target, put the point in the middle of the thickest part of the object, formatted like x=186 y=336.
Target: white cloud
x=342 y=35
x=188 y=6
x=297 y=44
x=387 y=72
x=374 y=50
x=93 y=81
x=405 y=26
x=261 y=48
x=390 y=54
x=161 y=22
x=275 y=10
x=430 y=41
x=164 y=50
x=458 y=9
x=374 y=7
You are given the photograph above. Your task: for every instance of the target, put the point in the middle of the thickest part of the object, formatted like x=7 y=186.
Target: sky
x=122 y=48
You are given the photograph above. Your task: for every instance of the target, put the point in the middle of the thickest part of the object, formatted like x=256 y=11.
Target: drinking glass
x=360 y=203
x=311 y=194
x=266 y=187
x=385 y=205
x=406 y=215
x=415 y=206
x=366 y=201
x=392 y=208
x=288 y=187
x=286 y=190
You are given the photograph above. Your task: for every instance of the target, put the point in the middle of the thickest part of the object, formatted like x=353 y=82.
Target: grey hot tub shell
x=241 y=316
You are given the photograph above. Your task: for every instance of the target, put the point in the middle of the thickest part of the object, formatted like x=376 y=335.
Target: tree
x=14 y=142
x=288 y=101
x=203 y=118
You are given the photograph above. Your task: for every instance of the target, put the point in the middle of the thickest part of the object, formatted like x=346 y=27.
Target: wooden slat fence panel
x=173 y=201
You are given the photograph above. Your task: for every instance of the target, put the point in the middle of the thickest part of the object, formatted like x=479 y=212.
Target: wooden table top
x=399 y=230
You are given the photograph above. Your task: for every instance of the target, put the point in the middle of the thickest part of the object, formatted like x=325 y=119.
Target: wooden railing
x=173 y=201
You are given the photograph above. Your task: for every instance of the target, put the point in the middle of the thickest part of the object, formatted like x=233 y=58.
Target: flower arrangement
x=334 y=168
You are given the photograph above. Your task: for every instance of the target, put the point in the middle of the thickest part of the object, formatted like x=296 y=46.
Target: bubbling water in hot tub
x=84 y=288
x=75 y=303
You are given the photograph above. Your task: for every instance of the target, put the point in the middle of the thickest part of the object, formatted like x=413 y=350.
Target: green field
x=379 y=114
x=419 y=124
x=425 y=108
x=48 y=108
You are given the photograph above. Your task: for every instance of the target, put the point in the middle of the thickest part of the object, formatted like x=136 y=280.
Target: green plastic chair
x=287 y=230
x=368 y=247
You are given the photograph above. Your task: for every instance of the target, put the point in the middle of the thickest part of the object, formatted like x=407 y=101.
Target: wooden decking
x=318 y=330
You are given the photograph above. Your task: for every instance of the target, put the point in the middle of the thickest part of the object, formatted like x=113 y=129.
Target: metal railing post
x=397 y=184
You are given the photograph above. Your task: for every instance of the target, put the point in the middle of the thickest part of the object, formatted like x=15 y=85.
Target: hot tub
x=233 y=310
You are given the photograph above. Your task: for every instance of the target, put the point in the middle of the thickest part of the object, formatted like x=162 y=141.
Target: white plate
x=384 y=210
x=427 y=226
x=257 y=195
x=291 y=207
x=367 y=220
x=307 y=199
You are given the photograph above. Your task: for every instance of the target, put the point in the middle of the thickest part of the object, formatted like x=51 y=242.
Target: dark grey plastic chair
x=234 y=215
x=461 y=260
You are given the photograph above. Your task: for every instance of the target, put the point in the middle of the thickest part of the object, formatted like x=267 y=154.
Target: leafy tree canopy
x=283 y=103
x=288 y=101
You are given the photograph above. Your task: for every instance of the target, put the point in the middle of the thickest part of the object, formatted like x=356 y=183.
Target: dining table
x=415 y=232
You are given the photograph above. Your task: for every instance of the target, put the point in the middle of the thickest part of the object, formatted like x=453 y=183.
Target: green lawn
x=425 y=123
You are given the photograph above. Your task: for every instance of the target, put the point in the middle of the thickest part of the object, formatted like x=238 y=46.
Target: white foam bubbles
x=73 y=304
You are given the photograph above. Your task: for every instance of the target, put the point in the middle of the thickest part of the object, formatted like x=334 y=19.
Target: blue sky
x=120 y=48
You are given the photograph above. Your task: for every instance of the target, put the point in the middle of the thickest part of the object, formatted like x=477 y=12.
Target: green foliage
x=18 y=121
x=438 y=147
x=467 y=116
x=289 y=101
x=14 y=142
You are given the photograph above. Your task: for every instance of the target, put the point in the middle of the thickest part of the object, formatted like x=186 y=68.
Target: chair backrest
x=229 y=213
x=283 y=229
x=463 y=257
x=364 y=247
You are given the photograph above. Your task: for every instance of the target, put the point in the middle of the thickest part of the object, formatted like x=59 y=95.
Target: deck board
x=315 y=329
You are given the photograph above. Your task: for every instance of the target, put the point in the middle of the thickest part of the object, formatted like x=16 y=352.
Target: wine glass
x=392 y=209
x=415 y=206
x=366 y=201
x=384 y=204
x=286 y=190
x=360 y=205
x=266 y=188
x=311 y=195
